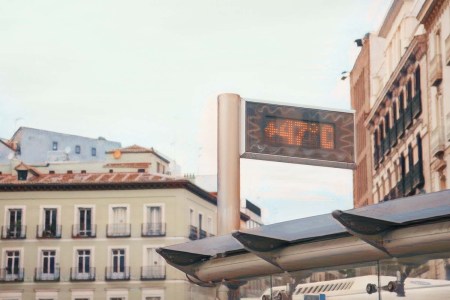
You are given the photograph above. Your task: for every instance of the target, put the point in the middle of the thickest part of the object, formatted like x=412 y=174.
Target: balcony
x=437 y=141
x=12 y=275
x=82 y=275
x=14 y=232
x=118 y=230
x=80 y=232
x=117 y=273
x=417 y=105
x=447 y=50
x=153 y=229
x=202 y=234
x=400 y=126
x=393 y=136
x=193 y=235
x=400 y=188
x=408 y=187
x=376 y=157
x=386 y=145
x=436 y=70
x=418 y=180
x=408 y=116
x=48 y=232
x=41 y=274
x=153 y=273
x=393 y=193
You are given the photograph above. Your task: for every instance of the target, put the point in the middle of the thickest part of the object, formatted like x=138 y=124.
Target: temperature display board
x=297 y=134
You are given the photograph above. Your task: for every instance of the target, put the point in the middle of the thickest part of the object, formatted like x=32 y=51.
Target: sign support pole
x=228 y=163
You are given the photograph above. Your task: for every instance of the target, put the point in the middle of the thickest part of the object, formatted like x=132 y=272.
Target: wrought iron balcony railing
x=48 y=232
x=83 y=231
x=118 y=230
x=83 y=274
x=416 y=105
x=193 y=232
x=117 y=273
x=12 y=275
x=47 y=274
x=14 y=232
x=153 y=229
x=153 y=273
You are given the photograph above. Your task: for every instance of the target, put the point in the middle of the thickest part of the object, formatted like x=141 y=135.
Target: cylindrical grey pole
x=228 y=164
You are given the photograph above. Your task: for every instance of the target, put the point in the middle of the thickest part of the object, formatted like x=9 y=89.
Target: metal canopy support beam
x=370 y=230
x=262 y=247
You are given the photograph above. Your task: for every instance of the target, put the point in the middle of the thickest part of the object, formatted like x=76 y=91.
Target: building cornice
x=102 y=186
x=416 y=50
x=390 y=18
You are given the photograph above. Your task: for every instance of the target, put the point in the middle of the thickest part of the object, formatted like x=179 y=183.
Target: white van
x=362 y=288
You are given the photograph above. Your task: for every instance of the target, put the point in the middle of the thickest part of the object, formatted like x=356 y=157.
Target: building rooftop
x=138 y=149
x=97 y=181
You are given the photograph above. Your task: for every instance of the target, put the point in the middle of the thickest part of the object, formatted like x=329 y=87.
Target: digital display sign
x=294 y=134
x=299 y=133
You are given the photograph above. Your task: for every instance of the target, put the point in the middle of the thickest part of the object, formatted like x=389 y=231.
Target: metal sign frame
x=253 y=145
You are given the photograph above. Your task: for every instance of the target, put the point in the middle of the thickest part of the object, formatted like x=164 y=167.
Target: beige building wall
x=176 y=205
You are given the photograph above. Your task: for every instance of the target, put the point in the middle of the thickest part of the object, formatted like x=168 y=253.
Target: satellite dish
x=67 y=150
x=11 y=156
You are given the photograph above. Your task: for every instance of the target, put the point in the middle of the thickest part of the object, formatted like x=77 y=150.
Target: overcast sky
x=149 y=72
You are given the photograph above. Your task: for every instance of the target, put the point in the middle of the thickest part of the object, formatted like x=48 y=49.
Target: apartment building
x=93 y=235
x=393 y=108
x=37 y=146
x=435 y=17
x=401 y=94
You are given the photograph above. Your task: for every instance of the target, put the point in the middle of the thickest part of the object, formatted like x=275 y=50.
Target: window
x=55 y=146
x=118 y=260
x=11 y=270
x=152 y=294
x=49 y=268
x=77 y=149
x=154 y=220
x=83 y=270
x=49 y=227
x=158 y=167
x=93 y=151
x=118 y=269
x=154 y=266
x=119 y=226
x=84 y=226
x=14 y=223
